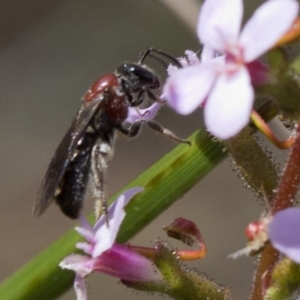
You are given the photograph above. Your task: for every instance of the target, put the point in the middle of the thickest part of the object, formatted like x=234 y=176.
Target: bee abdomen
x=74 y=182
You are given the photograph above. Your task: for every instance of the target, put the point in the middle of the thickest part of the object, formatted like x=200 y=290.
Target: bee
x=82 y=155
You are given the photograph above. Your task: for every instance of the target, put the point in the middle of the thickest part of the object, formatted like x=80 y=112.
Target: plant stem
x=284 y=198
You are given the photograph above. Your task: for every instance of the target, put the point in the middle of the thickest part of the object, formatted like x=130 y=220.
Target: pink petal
x=85 y=223
x=192 y=57
x=229 y=105
x=186 y=89
x=80 y=264
x=259 y=72
x=135 y=113
x=127 y=265
x=219 y=23
x=284 y=233
x=86 y=247
x=207 y=53
x=106 y=235
x=269 y=22
x=88 y=234
x=80 y=288
x=124 y=198
x=171 y=70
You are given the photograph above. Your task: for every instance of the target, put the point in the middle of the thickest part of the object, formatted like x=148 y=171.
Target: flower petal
x=80 y=264
x=190 y=58
x=269 y=22
x=85 y=223
x=106 y=235
x=219 y=23
x=88 y=234
x=186 y=89
x=259 y=72
x=86 y=247
x=127 y=265
x=80 y=288
x=135 y=113
x=229 y=105
x=207 y=53
x=284 y=232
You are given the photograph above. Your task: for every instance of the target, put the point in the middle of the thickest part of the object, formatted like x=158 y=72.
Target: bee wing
x=62 y=156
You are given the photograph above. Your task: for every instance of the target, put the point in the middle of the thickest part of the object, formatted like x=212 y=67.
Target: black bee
x=88 y=144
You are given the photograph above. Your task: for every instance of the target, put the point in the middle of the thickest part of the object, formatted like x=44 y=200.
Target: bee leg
x=164 y=131
x=154 y=97
x=99 y=159
x=134 y=129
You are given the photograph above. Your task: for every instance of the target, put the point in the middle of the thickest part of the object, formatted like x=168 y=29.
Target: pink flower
x=190 y=58
x=223 y=84
x=104 y=255
x=284 y=233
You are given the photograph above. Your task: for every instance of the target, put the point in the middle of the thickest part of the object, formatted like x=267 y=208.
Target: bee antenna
x=149 y=53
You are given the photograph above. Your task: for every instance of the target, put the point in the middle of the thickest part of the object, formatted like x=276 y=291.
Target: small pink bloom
x=284 y=233
x=223 y=85
x=256 y=232
x=104 y=255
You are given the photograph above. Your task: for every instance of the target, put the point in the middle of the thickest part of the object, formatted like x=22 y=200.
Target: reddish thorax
x=103 y=83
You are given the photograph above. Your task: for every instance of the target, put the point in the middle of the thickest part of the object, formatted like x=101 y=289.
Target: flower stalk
x=182 y=284
x=284 y=198
x=289 y=184
x=263 y=127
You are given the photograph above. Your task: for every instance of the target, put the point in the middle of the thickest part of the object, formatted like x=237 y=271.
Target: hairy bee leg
x=154 y=97
x=98 y=176
x=166 y=132
x=134 y=129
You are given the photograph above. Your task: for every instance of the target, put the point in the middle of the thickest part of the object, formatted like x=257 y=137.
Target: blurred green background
x=50 y=52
